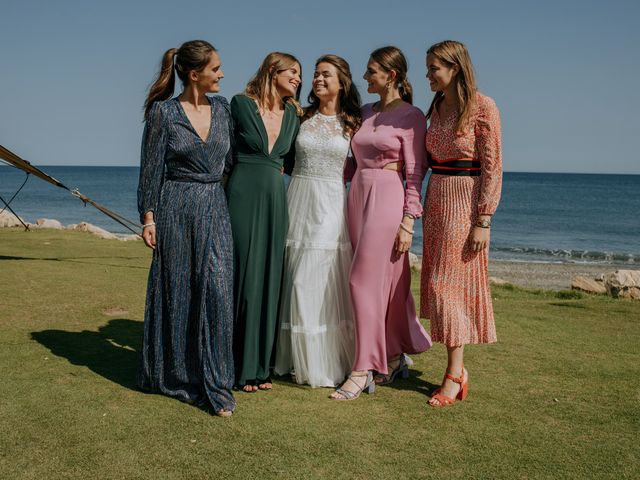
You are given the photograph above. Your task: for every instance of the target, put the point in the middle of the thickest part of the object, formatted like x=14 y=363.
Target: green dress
x=259 y=222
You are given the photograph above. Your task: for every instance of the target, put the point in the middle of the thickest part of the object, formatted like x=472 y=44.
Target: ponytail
x=192 y=55
x=406 y=91
x=165 y=84
x=392 y=59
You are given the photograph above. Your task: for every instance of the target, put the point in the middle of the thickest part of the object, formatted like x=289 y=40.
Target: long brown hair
x=349 y=97
x=260 y=87
x=392 y=58
x=452 y=53
x=192 y=55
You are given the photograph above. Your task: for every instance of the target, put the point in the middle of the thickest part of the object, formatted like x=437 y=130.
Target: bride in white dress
x=316 y=338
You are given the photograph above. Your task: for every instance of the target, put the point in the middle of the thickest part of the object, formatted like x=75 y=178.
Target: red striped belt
x=466 y=167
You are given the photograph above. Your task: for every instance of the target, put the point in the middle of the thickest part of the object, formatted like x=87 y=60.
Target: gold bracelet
x=406 y=229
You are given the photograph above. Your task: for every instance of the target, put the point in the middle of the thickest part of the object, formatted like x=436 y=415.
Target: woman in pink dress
x=381 y=211
x=463 y=144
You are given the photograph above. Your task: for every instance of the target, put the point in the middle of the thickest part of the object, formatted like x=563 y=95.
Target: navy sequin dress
x=188 y=323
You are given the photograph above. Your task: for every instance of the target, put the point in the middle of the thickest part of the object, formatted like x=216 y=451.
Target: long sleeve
x=488 y=146
x=415 y=163
x=229 y=158
x=154 y=145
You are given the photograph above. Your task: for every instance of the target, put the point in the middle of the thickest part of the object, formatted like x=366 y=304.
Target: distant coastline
x=44 y=166
x=545 y=218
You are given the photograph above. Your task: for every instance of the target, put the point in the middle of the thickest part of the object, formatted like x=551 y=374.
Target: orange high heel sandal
x=462 y=380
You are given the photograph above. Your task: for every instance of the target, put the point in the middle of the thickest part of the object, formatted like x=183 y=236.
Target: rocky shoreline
x=7 y=219
x=591 y=278
x=561 y=276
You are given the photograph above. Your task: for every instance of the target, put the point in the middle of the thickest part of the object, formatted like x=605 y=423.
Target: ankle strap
x=459 y=379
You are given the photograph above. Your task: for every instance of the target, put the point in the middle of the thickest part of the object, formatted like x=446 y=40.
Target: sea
x=542 y=217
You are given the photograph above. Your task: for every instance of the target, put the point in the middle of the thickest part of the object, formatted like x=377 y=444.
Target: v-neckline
x=446 y=117
x=265 y=134
x=203 y=140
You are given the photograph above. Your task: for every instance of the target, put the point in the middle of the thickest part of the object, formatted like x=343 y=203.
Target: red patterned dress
x=466 y=181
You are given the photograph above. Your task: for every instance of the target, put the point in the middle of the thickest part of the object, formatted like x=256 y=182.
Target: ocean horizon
x=543 y=217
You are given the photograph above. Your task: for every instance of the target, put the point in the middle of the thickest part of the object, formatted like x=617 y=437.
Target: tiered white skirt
x=316 y=336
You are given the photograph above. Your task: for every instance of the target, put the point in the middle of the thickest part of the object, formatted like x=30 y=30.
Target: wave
x=564 y=256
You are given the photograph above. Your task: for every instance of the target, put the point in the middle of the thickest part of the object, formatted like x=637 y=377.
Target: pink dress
x=380 y=280
x=466 y=182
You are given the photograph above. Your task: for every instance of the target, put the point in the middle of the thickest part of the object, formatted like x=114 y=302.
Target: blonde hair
x=452 y=53
x=261 y=88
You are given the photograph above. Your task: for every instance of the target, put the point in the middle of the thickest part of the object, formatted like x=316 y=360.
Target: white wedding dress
x=316 y=337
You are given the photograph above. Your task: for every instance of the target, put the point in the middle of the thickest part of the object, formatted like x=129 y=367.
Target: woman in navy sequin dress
x=186 y=149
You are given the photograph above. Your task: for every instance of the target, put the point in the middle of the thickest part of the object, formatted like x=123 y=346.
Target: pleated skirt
x=316 y=322
x=455 y=294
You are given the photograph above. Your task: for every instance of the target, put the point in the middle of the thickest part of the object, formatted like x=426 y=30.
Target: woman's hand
x=404 y=238
x=480 y=238
x=149 y=231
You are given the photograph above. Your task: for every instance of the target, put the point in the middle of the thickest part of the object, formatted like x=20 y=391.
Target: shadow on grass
x=413 y=383
x=78 y=260
x=110 y=352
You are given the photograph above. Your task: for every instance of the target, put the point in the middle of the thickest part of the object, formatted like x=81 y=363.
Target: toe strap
x=346 y=394
x=443 y=399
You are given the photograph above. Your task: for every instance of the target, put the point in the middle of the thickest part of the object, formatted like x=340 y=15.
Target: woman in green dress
x=265 y=126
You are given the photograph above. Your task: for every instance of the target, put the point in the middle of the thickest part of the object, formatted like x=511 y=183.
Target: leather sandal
x=265 y=384
x=248 y=387
x=444 y=401
x=369 y=387
x=402 y=369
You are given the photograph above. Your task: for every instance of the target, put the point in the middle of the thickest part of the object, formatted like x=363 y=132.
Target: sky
x=564 y=74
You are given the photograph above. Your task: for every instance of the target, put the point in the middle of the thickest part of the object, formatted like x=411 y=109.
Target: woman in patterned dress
x=265 y=127
x=186 y=147
x=389 y=150
x=316 y=324
x=463 y=143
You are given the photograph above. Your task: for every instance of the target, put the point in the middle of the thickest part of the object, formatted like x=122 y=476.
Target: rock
x=129 y=238
x=588 y=285
x=49 y=223
x=623 y=283
x=8 y=219
x=415 y=262
x=115 y=312
x=497 y=281
x=87 y=227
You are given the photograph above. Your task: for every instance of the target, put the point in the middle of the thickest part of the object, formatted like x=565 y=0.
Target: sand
x=554 y=276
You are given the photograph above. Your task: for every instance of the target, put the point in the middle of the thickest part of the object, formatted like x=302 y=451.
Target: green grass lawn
x=557 y=397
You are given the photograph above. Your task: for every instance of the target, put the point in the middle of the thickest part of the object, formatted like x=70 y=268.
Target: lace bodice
x=321 y=148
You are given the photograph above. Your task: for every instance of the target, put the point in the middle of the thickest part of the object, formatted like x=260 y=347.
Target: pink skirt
x=380 y=280
x=454 y=292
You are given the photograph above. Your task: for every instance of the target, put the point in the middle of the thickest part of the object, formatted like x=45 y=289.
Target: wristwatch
x=486 y=223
